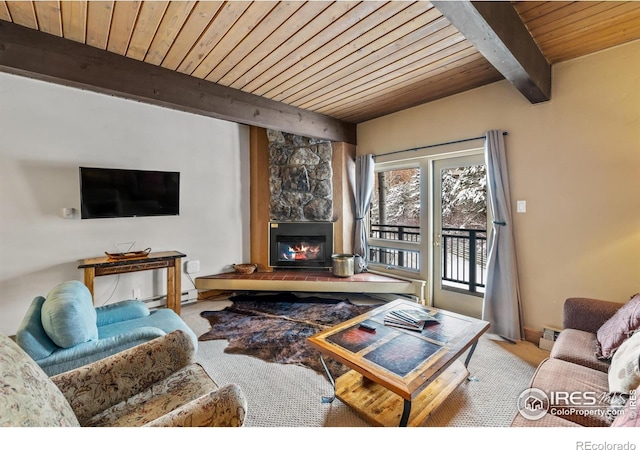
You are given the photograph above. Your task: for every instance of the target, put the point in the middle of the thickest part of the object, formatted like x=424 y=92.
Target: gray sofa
x=582 y=377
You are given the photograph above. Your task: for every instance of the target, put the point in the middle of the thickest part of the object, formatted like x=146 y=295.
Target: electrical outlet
x=68 y=213
x=136 y=294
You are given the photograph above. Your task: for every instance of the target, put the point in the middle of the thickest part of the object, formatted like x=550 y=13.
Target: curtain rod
x=504 y=133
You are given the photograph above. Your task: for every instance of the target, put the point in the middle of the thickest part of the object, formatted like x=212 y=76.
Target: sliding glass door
x=428 y=220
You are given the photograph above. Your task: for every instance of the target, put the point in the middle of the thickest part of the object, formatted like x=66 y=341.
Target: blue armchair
x=65 y=331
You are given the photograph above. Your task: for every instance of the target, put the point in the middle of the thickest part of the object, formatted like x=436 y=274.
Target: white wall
x=574 y=159
x=47 y=131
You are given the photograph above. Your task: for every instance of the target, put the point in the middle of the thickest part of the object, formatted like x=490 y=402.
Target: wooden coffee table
x=399 y=376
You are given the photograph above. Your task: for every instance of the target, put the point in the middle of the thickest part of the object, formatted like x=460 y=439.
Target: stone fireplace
x=302 y=180
x=300 y=245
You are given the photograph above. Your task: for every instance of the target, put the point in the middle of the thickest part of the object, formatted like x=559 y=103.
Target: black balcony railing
x=464 y=253
x=403 y=259
x=464 y=257
x=396 y=232
x=393 y=257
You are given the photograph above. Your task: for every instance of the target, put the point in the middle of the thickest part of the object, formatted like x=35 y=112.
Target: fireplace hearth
x=300 y=245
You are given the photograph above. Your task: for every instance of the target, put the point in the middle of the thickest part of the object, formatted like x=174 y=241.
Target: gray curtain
x=501 y=305
x=363 y=193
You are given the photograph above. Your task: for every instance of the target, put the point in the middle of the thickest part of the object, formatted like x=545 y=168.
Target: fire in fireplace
x=300 y=244
x=292 y=248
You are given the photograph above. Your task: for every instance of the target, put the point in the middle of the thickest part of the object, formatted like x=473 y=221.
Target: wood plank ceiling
x=350 y=60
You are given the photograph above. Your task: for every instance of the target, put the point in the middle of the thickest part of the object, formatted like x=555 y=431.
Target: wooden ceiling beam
x=498 y=33
x=38 y=55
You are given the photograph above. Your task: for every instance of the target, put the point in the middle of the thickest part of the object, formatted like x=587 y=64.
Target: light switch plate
x=521 y=206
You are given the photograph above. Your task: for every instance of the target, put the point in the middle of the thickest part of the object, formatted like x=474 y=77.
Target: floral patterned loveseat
x=153 y=384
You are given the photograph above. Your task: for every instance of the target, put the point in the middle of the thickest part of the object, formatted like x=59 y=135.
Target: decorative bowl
x=129 y=255
x=245 y=268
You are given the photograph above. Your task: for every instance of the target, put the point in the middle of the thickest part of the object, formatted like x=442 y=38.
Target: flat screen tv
x=108 y=193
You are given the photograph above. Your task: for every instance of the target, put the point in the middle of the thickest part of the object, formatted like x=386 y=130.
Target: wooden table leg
x=174 y=288
x=177 y=285
x=89 y=276
x=171 y=274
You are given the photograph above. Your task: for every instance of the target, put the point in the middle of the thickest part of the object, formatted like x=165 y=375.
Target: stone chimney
x=300 y=178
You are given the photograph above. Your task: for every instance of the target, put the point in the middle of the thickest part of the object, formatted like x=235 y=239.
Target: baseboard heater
x=160 y=301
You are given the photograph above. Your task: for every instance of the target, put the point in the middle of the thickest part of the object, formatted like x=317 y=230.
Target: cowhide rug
x=274 y=328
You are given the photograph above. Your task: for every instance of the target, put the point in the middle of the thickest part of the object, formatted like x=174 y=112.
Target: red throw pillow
x=618 y=328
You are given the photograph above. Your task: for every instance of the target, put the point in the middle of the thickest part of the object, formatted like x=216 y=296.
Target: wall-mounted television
x=108 y=193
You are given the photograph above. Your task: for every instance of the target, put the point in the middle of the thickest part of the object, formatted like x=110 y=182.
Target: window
x=394 y=219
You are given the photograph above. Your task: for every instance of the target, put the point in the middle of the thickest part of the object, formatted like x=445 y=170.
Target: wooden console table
x=95 y=267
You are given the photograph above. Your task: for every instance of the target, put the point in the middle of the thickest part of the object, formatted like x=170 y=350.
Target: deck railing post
x=400 y=252
x=445 y=253
x=472 y=261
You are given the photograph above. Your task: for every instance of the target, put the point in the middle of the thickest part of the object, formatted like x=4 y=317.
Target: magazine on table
x=410 y=319
x=414 y=315
x=400 y=324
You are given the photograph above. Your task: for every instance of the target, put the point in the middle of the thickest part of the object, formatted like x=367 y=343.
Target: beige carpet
x=289 y=396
